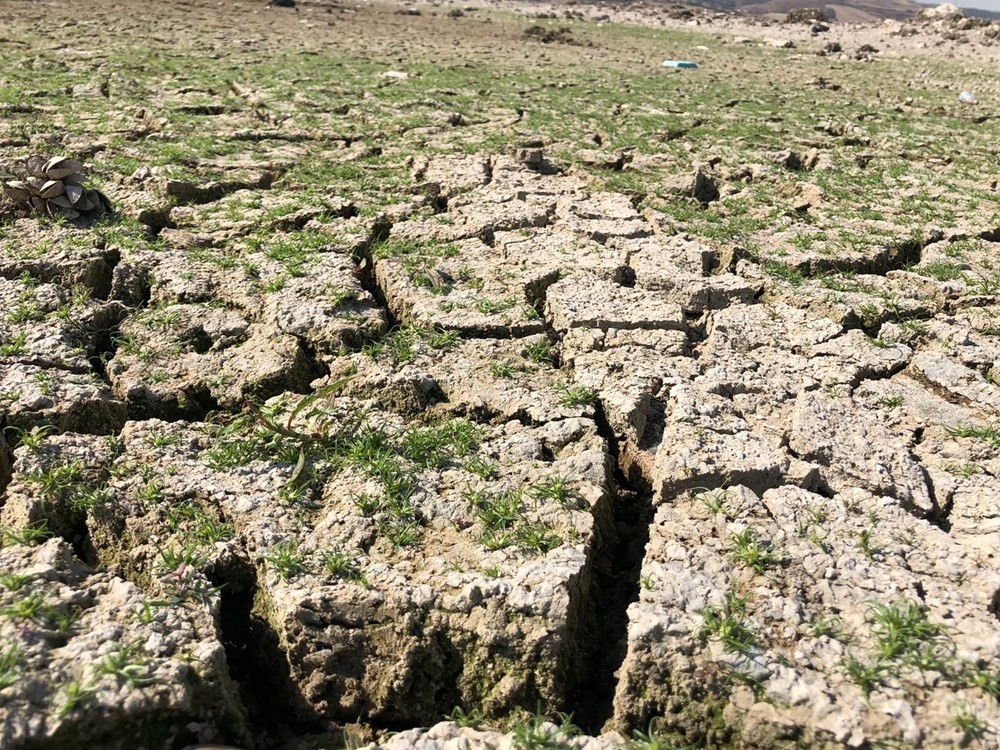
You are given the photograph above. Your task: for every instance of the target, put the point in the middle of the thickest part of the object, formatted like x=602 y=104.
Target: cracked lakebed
x=295 y=470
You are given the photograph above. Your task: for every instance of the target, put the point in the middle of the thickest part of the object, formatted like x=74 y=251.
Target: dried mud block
x=601 y=216
x=874 y=247
x=580 y=341
x=489 y=378
x=764 y=381
x=32 y=396
x=315 y=295
x=465 y=566
x=862 y=301
x=446 y=735
x=327 y=308
x=908 y=405
x=696 y=294
x=480 y=214
x=244 y=211
x=59 y=255
x=759 y=617
x=52 y=327
x=453 y=174
x=961 y=267
x=461 y=287
x=707 y=443
x=185 y=360
x=511 y=175
x=101 y=665
x=56 y=482
x=655 y=259
x=188 y=192
x=679 y=269
x=970 y=335
x=746 y=327
x=557 y=251
x=856 y=449
x=964 y=473
x=590 y=302
x=955 y=381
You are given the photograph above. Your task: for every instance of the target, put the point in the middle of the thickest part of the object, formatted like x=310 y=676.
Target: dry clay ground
x=436 y=365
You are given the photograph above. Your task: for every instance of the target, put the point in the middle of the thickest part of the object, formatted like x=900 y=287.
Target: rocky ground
x=456 y=376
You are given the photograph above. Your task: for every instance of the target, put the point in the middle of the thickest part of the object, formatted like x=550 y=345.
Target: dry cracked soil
x=457 y=376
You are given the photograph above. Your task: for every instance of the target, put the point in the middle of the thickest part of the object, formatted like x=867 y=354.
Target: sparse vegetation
x=286 y=560
x=728 y=624
x=750 y=550
x=492 y=455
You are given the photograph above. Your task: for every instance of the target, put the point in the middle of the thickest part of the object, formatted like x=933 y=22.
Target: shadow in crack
x=275 y=708
x=615 y=585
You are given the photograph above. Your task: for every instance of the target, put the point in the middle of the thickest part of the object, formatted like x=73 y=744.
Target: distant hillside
x=848 y=11
x=981 y=13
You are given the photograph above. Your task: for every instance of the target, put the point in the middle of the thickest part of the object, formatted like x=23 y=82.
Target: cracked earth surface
x=387 y=398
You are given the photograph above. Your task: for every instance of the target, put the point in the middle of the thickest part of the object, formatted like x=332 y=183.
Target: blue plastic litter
x=679 y=64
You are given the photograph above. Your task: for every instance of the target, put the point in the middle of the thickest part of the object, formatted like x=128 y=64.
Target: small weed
x=715 y=501
x=76 y=693
x=971 y=726
x=891 y=402
x=941 y=271
x=491 y=307
x=31 y=439
x=10 y=661
x=15 y=347
x=903 y=634
x=442 y=339
x=752 y=552
x=147 y=613
x=126 y=666
x=496 y=512
x=286 y=560
x=576 y=395
x=473 y=718
x=14 y=581
x=400 y=532
x=981 y=678
x=556 y=489
x=865 y=542
x=990 y=434
x=27 y=535
x=727 y=624
x=209 y=530
x=536 y=537
x=830 y=627
x=482 y=467
x=963 y=470
x=432 y=447
x=187 y=557
x=539 y=351
x=784 y=272
x=162 y=439
x=649 y=740
x=342 y=564
x=28 y=607
x=820 y=542
x=869 y=677
x=57 y=481
x=535 y=733
x=502 y=370
x=92 y=499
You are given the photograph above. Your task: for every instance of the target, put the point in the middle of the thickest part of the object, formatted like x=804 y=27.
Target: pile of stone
x=55 y=187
